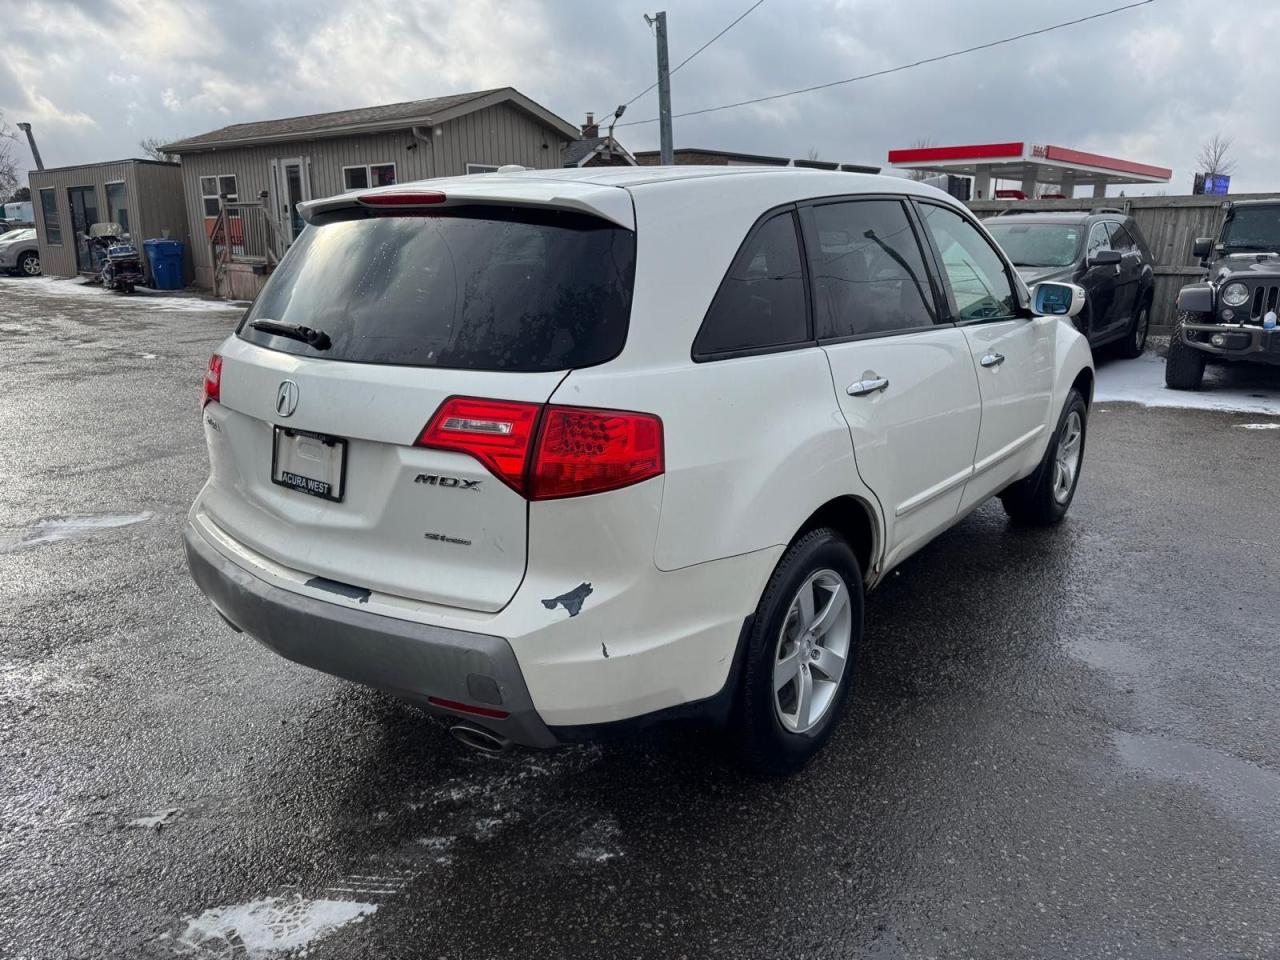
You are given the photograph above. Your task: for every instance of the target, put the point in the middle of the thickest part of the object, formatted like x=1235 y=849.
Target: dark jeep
x=1231 y=315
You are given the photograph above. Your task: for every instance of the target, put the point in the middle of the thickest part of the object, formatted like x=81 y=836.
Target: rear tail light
x=590 y=451
x=498 y=433
x=546 y=453
x=213 y=381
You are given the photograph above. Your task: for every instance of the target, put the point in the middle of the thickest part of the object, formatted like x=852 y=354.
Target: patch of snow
x=1142 y=381
x=1258 y=426
x=436 y=843
x=263 y=927
x=67 y=528
x=62 y=287
x=156 y=820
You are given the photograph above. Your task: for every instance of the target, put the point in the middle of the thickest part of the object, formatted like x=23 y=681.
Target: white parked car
x=560 y=453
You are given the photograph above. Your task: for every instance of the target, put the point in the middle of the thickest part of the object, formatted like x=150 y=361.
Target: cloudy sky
x=95 y=76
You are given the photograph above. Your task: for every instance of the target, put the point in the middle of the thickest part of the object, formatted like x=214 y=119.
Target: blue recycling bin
x=165 y=257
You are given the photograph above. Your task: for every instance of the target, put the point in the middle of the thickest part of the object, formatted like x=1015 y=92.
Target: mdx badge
x=287 y=398
x=435 y=480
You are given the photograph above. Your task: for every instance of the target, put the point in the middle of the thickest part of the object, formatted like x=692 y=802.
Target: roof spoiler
x=607 y=202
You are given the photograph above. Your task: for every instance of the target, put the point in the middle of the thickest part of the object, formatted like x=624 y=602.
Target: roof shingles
x=326 y=123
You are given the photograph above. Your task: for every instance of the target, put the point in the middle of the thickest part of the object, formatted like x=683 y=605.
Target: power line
x=901 y=67
x=742 y=16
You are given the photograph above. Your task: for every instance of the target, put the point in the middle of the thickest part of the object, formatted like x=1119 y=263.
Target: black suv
x=1102 y=251
x=1231 y=314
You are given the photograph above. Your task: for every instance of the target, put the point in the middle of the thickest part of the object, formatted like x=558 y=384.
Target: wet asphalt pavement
x=1064 y=744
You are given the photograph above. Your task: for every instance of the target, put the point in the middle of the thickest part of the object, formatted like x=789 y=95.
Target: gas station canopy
x=1029 y=164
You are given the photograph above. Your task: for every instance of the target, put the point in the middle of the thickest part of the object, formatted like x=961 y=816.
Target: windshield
x=1252 y=228
x=1038 y=244
x=472 y=288
x=13 y=235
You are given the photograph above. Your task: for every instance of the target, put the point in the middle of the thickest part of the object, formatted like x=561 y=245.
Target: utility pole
x=666 y=153
x=31 y=141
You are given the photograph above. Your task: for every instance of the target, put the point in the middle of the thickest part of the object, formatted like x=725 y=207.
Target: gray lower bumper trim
x=411 y=660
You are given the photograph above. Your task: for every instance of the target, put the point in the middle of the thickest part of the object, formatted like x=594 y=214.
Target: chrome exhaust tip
x=478 y=738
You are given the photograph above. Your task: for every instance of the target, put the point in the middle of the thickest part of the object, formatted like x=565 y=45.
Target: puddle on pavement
x=66 y=528
x=1244 y=791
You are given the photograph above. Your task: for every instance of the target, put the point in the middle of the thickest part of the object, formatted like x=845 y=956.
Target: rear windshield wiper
x=316 y=339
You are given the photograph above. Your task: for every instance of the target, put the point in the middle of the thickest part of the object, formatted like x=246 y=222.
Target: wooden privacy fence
x=1168 y=223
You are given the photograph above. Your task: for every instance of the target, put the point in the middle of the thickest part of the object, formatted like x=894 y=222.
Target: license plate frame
x=287 y=475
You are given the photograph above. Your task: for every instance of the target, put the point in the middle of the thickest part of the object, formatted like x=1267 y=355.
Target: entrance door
x=904 y=381
x=84 y=214
x=293 y=186
x=1013 y=352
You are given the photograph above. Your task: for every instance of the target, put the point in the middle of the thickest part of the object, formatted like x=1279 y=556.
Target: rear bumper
x=1249 y=343
x=411 y=660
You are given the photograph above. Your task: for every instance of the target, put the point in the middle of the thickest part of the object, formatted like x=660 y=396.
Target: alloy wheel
x=812 y=652
x=31 y=266
x=1066 y=462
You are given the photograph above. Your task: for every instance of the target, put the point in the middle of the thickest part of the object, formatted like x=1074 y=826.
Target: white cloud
x=1146 y=85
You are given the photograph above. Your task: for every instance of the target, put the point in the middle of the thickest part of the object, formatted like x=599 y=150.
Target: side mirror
x=1202 y=247
x=1050 y=299
x=1105 y=258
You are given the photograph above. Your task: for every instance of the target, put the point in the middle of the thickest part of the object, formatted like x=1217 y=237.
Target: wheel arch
x=1084 y=383
x=855 y=519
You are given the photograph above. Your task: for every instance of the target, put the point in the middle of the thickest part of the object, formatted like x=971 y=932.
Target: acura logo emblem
x=287 y=398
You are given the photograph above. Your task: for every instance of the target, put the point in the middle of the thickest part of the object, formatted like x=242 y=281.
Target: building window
x=211 y=189
x=52 y=225
x=117 y=204
x=368 y=175
x=481 y=168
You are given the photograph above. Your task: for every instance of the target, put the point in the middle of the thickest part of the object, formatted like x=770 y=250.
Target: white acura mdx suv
x=560 y=453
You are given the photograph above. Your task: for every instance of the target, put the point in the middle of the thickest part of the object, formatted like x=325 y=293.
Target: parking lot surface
x=1064 y=743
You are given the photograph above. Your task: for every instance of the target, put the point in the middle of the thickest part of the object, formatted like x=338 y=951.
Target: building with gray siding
x=143 y=196
x=265 y=169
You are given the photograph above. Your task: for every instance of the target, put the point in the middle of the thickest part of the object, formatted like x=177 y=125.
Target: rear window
x=471 y=288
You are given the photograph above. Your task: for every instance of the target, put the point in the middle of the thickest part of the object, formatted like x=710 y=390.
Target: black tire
x=765 y=746
x=1184 y=367
x=29 y=264
x=1135 y=340
x=1032 y=501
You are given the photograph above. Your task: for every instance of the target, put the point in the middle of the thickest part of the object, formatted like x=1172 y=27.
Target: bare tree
x=151 y=147
x=1214 y=155
x=812 y=153
x=9 y=179
x=921 y=143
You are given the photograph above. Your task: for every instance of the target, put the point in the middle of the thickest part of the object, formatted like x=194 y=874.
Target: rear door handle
x=992 y=360
x=861 y=388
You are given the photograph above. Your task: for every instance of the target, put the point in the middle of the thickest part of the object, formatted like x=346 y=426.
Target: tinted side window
x=1098 y=239
x=1121 y=240
x=761 y=301
x=868 y=272
x=975 y=273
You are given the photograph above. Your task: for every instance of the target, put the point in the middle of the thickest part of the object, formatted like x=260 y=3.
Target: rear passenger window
x=761 y=301
x=868 y=272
